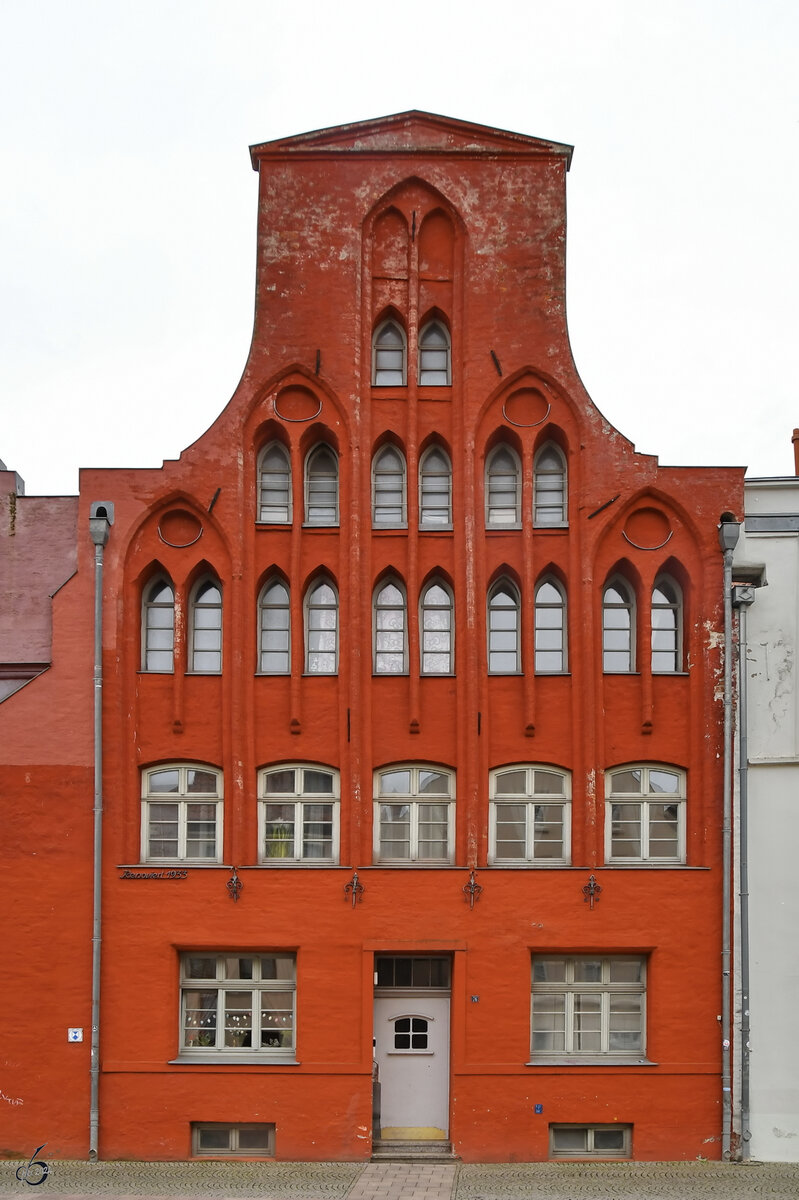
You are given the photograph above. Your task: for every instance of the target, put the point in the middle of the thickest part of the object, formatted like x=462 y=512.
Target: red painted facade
x=410 y=220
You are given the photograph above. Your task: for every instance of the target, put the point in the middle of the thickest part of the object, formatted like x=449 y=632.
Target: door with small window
x=411 y=1032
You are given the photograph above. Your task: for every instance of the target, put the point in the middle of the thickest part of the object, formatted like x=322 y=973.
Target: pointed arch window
x=389 y=355
x=274 y=485
x=666 y=626
x=550 y=506
x=321 y=629
x=550 y=628
x=502 y=489
x=274 y=629
x=618 y=627
x=435 y=490
x=206 y=628
x=389 y=504
x=438 y=630
x=321 y=487
x=158 y=626
x=503 y=629
x=390 y=630
x=435 y=360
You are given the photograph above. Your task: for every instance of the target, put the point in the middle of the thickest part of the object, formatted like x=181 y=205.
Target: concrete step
x=407 y=1151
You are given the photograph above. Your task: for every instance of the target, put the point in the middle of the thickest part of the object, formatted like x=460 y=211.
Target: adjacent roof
x=411 y=132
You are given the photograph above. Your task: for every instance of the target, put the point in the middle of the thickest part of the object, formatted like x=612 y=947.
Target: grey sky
x=127 y=211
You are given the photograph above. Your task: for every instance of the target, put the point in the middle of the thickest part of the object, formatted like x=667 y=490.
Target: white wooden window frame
x=183 y=798
x=673 y=654
x=415 y=803
x=495 y=631
x=386 y=640
x=425 y=608
x=276 y=485
x=569 y=992
x=503 y=490
x=321 y=490
x=299 y=798
x=205 y=619
x=435 y=375
x=543 y=626
x=389 y=489
x=435 y=490
x=647 y=801
x=218 y=1032
x=265 y=606
x=550 y=488
x=623 y=655
x=530 y=799
x=380 y=372
x=310 y=607
x=153 y=627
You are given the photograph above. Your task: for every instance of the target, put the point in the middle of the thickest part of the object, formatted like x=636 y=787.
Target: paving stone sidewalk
x=404 y=1181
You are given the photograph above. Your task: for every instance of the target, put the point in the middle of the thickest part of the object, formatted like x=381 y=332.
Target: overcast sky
x=128 y=204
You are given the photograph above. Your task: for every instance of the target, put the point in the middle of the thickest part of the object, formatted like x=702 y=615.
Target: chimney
x=795 y=440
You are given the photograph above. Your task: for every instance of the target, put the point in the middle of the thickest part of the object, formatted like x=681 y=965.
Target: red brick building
x=411 y=733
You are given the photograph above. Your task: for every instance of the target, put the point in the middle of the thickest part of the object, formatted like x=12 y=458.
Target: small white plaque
x=74 y=1035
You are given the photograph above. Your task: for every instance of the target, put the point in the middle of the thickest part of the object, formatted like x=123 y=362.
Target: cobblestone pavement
x=405 y=1181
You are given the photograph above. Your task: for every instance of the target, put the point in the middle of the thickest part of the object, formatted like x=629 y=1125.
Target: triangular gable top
x=410 y=132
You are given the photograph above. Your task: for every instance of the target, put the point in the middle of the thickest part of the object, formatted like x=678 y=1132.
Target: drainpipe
x=728 y=538
x=100 y=520
x=742 y=597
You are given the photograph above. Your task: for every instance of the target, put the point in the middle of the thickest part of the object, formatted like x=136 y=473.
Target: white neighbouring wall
x=770 y=538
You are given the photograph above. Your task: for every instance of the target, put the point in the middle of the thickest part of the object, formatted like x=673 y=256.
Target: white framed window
x=550 y=497
x=435 y=489
x=529 y=815
x=274 y=629
x=298 y=814
x=237 y=1006
x=214 y=1139
x=503 y=489
x=389 y=503
x=390 y=629
x=158 y=626
x=666 y=617
x=205 y=634
x=274 y=485
x=435 y=358
x=321 y=487
x=321 y=629
x=590 y=1141
x=618 y=627
x=389 y=355
x=181 y=814
x=550 y=628
x=645 y=815
x=504 y=642
x=414 y=815
x=588 y=1006
x=437 y=621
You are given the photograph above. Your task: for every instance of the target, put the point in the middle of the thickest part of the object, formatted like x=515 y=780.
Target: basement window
x=590 y=1141
x=214 y=1140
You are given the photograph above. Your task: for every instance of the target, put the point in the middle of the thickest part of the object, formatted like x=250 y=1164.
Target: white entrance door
x=412 y=1055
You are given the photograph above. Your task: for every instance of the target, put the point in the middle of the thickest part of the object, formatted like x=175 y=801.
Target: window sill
x=436 y=528
x=223 y=1059
x=312 y=864
x=596 y=1060
x=528 y=864
x=317 y=525
x=504 y=528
